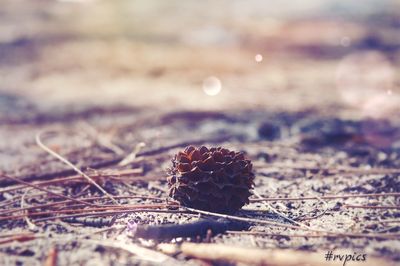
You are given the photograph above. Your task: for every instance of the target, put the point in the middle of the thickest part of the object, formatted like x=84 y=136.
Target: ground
x=309 y=93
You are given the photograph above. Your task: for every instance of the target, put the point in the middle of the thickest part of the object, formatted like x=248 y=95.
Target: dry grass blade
x=105 y=213
x=357 y=235
x=339 y=169
x=281 y=214
x=243 y=219
x=105 y=208
x=46 y=190
x=259 y=221
x=31 y=225
x=62 y=159
x=372 y=207
x=102 y=139
x=117 y=159
x=118 y=175
x=19 y=238
x=391 y=194
x=80 y=205
x=132 y=156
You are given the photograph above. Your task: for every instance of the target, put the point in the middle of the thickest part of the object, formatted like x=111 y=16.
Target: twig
x=31 y=225
x=281 y=214
x=64 y=160
x=326 y=209
x=287 y=218
x=351 y=170
x=102 y=139
x=51 y=259
x=113 y=175
x=14 y=234
x=256 y=233
x=45 y=190
x=388 y=221
x=313 y=217
x=19 y=238
x=42 y=183
x=132 y=156
x=112 y=207
x=372 y=207
x=394 y=194
x=358 y=235
x=388 y=229
x=252 y=220
x=117 y=159
x=243 y=219
x=106 y=213
x=83 y=199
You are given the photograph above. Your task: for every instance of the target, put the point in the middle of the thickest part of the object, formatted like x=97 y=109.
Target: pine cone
x=216 y=179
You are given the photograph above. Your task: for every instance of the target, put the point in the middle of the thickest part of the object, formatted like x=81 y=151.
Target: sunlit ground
x=295 y=83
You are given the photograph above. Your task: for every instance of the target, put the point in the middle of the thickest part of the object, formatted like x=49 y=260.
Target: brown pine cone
x=216 y=179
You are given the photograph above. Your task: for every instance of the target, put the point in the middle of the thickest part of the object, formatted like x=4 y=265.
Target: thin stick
x=102 y=139
x=15 y=198
x=114 y=176
x=394 y=194
x=28 y=222
x=84 y=199
x=113 y=207
x=132 y=156
x=117 y=159
x=387 y=221
x=372 y=207
x=358 y=235
x=252 y=220
x=256 y=233
x=45 y=190
x=351 y=170
x=326 y=209
x=106 y=213
x=42 y=183
x=15 y=234
x=281 y=214
x=64 y=160
x=19 y=238
x=51 y=259
x=243 y=219
x=313 y=217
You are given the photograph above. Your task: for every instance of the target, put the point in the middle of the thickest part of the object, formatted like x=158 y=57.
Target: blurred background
x=327 y=55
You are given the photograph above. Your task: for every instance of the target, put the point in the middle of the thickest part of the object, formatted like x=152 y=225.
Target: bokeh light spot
x=212 y=86
x=258 y=58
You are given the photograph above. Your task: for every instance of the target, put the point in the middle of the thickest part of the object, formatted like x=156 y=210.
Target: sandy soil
x=284 y=83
